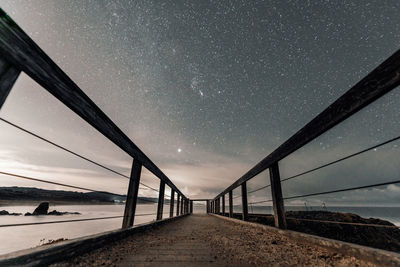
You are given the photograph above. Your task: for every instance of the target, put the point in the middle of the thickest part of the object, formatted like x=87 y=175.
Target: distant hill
x=16 y=193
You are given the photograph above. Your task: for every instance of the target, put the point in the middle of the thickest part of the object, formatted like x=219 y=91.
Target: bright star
x=179 y=150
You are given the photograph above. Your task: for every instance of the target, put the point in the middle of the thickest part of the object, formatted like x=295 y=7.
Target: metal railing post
x=208 y=206
x=245 y=213
x=230 y=204
x=171 y=204
x=178 y=202
x=161 y=196
x=277 y=200
x=191 y=206
x=223 y=205
x=8 y=76
x=131 y=198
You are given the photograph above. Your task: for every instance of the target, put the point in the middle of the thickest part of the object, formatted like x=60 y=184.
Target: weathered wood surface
x=223 y=204
x=182 y=204
x=8 y=76
x=377 y=83
x=178 y=203
x=131 y=198
x=230 y=204
x=161 y=196
x=245 y=208
x=171 y=204
x=22 y=52
x=277 y=200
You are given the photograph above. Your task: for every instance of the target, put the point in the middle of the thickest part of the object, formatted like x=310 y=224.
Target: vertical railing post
x=8 y=76
x=230 y=204
x=212 y=206
x=191 y=206
x=182 y=202
x=245 y=213
x=131 y=198
x=223 y=205
x=171 y=204
x=277 y=200
x=161 y=197
x=208 y=206
x=178 y=202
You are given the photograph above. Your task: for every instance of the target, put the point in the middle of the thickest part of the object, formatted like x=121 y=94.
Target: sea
x=14 y=238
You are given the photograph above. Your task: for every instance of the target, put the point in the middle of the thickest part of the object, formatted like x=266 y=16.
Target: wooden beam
x=160 y=206
x=276 y=190
x=178 y=202
x=191 y=206
x=223 y=205
x=230 y=204
x=131 y=198
x=171 y=204
x=245 y=211
x=23 y=53
x=377 y=83
x=208 y=206
x=182 y=203
x=8 y=76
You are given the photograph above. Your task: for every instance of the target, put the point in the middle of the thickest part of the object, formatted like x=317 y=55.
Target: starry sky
x=207 y=89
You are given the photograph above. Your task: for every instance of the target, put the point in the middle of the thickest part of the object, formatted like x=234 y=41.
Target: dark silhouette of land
x=32 y=194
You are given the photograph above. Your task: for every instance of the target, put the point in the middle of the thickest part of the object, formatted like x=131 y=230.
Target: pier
x=218 y=237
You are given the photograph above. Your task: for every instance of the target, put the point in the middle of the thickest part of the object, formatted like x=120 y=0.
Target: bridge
x=220 y=236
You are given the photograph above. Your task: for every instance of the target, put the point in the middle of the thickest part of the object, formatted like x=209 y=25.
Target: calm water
x=23 y=237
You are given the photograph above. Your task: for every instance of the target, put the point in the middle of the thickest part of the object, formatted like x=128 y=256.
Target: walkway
x=205 y=240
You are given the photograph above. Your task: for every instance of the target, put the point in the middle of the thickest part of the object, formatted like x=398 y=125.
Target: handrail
x=22 y=52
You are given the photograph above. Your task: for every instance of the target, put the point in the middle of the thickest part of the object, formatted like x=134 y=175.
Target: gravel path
x=204 y=240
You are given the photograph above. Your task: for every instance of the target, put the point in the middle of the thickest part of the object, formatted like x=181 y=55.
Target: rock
x=4 y=212
x=41 y=209
x=58 y=213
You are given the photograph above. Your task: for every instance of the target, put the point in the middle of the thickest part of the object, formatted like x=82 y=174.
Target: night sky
x=207 y=89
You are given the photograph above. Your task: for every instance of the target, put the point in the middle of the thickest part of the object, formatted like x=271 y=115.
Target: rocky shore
x=42 y=209
x=383 y=234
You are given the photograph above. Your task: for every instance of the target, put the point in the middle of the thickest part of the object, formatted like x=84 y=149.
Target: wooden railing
x=19 y=53
x=376 y=84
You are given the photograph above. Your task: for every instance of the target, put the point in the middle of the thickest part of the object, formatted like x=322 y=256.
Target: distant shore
x=8 y=203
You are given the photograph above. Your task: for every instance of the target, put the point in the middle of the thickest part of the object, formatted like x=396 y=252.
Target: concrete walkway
x=205 y=240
